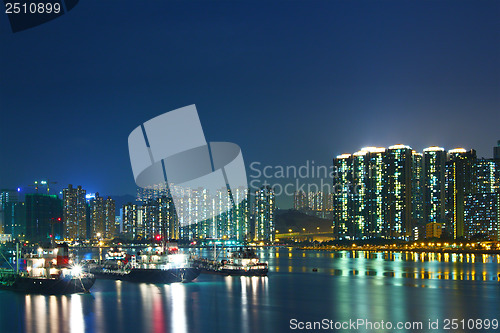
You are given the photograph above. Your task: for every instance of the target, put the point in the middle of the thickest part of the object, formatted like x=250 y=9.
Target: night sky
x=288 y=81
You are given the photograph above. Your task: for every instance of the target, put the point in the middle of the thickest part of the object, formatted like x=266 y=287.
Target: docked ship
x=242 y=262
x=153 y=265
x=47 y=272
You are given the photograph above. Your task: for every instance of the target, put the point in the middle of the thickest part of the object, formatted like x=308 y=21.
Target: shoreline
x=382 y=249
x=342 y=248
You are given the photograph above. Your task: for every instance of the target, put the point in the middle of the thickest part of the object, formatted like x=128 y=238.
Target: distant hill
x=297 y=221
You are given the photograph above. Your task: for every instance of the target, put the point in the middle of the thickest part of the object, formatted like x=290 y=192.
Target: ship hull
x=146 y=275
x=236 y=272
x=211 y=267
x=50 y=286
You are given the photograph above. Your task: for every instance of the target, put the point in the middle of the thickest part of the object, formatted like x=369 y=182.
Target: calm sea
x=347 y=286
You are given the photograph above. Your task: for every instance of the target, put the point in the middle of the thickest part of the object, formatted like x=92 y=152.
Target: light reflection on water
x=77 y=324
x=376 y=286
x=412 y=265
x=178 y=305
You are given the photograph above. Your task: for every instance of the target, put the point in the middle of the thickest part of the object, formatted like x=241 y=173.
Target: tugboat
x=243 y=262
x=47 y=272
x=154 y=265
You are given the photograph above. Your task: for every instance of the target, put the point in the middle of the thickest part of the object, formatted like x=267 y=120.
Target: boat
x=153 y=265
x=47 y=272
x=242 y=262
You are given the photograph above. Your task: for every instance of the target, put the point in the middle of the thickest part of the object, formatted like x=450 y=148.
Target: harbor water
x=303 y=286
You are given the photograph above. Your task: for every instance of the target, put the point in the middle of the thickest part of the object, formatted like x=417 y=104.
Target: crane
x=45 y=183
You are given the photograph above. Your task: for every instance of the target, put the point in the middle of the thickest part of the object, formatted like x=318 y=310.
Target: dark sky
x=288 y=81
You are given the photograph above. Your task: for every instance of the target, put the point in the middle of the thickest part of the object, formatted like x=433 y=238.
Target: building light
x=360 y=153
x=457 y=151
x=373 y=149
x=433 y=148
x=399 y=147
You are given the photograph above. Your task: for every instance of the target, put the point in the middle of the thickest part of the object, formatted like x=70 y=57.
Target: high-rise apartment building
x=153 y=192
x=362 y=198
x=342 y=191
x=264 y=211
x=485 y=176
x=482 y=216
x=44 y=214
x=74 y=212
x=300 y=200
x=372 y=193
x=159 y=217
x=314 y=203
x=97 y=217
x=18 y=228
x=388 y=193
x=458 y=184
x=130 y=220
x=434 y=167
x=8 y=201
x=168 y=218
x=496 y=151
x=482 y=206
x=359 y=199
x=110 y=218
x=151 y=226
x=240 y=214
x=213 y=221
x=375 y=192
x=399 y=191
x=417 y=190
x=395 y=192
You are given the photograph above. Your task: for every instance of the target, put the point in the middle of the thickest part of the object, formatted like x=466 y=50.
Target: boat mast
x=17 y=257
x=163 y=235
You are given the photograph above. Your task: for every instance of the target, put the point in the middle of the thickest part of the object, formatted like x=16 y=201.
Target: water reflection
x=410 y=265
x=119 y=307
x=468 y=274
x=53 y=314
x=244 y=304
x=146 y=293
x=177 y=304
x=349 y=284
x=253 y=293
x=77 y=323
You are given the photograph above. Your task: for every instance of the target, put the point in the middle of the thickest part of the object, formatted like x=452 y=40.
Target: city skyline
x=282 y=201
x=249 y=166
x=399 y=193
x=429 y=78
x=375 y=192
